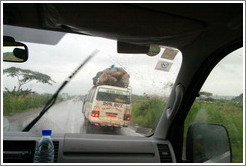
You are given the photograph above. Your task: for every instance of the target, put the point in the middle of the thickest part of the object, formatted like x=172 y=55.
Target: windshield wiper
x=55 y=95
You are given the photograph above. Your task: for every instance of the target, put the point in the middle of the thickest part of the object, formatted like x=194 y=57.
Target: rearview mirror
x=128 y=48
x=14 y=51
x=208 y=143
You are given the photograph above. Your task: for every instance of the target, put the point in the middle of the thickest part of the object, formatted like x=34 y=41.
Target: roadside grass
x=227 y=113
x=13 y=104
x=146 y=112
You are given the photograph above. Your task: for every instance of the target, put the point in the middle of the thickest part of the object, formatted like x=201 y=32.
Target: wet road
x=64 y=117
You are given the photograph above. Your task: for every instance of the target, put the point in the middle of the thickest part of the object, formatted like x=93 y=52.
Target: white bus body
x=108 y=106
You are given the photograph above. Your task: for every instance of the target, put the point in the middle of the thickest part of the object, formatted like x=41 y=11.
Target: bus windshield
x=113 y=95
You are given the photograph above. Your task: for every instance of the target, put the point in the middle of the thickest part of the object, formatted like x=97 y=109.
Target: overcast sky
x=226 y=79
x=60 y=60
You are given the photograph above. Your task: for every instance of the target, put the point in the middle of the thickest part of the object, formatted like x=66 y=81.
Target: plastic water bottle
x=44 y=152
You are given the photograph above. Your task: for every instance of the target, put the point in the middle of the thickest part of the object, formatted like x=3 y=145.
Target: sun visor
x=38 y=36
x=122 y=22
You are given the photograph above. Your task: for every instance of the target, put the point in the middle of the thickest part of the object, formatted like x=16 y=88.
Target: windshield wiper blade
x=52 y=100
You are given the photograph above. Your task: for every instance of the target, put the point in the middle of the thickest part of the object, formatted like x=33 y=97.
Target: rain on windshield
x=84 y=106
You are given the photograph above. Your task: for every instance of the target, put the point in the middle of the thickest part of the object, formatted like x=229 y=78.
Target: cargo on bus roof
x=115 y=76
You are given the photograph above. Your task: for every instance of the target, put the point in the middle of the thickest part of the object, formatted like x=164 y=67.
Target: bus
x=107 y=106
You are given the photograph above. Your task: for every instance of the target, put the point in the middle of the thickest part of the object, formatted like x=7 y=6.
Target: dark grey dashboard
x=18 y=147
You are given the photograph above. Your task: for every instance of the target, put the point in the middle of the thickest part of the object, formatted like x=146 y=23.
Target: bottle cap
x=46 y=132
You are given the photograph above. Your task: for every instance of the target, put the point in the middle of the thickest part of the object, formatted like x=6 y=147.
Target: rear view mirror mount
x=14 y=51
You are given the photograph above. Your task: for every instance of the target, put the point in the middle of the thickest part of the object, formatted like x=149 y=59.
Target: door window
x=221 y=101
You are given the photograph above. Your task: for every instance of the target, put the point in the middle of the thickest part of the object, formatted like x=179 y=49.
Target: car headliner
x=175 y=25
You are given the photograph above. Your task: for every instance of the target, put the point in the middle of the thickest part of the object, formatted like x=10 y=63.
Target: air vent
x=18 y=151
x=56 y=148
x=164 y=153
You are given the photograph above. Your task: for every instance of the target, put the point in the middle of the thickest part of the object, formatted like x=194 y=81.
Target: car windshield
x=145 y=84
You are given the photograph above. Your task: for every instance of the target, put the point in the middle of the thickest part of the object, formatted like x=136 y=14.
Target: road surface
x=64 y=117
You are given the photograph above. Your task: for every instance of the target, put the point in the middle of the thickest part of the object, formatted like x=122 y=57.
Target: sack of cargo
x=112 y=76
x=125 y=79
x=96 y=77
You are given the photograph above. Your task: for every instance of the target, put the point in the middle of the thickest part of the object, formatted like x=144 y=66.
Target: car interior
x=204 y=32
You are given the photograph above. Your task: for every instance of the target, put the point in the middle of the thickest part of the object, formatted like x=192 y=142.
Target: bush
x=20 y=92
x=146 y=111
x=13 y=103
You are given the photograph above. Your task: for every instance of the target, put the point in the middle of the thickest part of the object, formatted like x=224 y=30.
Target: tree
x=207 y=94
x=168 y=85
x=239 y=98
x=25 y=76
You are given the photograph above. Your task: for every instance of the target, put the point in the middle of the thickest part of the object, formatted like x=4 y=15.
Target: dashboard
x=19 y=147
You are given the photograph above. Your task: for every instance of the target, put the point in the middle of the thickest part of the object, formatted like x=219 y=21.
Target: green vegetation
x=20 y=100
x=14 y=102
x=25 y=76
x=9 y=56
x=146 y=112
x=228 y=113
x=239 y=98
